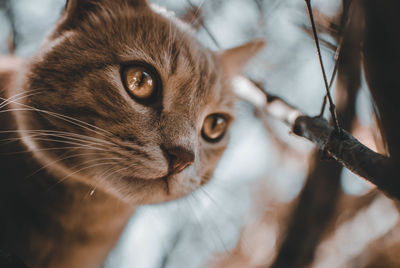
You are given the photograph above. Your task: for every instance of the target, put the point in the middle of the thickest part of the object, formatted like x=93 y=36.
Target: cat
x=120 y=107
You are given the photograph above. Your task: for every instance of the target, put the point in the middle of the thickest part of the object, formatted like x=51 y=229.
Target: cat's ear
x=235 y=59
x=77 y=10
x=73 y=6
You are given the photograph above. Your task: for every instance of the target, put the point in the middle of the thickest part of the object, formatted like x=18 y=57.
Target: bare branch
x=343 y=147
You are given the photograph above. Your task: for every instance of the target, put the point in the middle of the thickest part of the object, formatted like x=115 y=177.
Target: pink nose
x=179 y=158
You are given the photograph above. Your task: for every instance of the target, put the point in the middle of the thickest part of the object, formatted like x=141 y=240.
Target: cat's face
x=148 y=107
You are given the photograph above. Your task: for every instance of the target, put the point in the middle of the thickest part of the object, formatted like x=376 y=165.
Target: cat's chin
x=180 y=185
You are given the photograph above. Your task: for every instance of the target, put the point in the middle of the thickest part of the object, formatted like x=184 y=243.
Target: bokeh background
x=240 y=218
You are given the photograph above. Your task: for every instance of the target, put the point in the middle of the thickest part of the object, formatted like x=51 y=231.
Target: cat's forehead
x=190 y=72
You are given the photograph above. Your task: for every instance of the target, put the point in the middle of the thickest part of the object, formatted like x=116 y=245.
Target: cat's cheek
x=184 y=183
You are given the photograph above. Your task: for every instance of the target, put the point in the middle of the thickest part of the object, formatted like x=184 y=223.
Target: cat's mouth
x=151 y=181
x=166 y=188
x=164 y=180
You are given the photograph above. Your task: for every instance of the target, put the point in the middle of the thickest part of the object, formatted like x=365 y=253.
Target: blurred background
x=274 y=201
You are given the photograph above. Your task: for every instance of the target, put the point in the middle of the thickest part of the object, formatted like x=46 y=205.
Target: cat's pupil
x=144 y=78
x=214 y=127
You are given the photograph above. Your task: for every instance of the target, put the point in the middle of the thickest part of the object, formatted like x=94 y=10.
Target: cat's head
x=129 y=101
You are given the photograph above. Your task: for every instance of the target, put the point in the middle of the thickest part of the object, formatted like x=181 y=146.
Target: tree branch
x=343 y=147
x=317 y=202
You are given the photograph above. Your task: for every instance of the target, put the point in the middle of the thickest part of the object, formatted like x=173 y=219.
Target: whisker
x=216 y=203
x=102 y=175
x=80 y=123
x=55 y=135
x=223 y=187
x=45 y=149
x=113 y=172
x=66 y=118
x=61 y=134
x=18 y=97
x=14 y=99
x=59 y=160
x=59 y=141
x=67 y=137
x=214 y=225
x=197 y=219
x=77 y=171
x=81 y=136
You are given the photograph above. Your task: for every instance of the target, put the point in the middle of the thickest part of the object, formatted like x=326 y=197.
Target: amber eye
x=140 y=82
x=214 y=127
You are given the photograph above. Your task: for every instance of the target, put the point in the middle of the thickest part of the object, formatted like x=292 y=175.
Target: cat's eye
x=141 y=83
x=214 y=127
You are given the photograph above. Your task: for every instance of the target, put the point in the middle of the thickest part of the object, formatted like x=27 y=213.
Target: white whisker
x=61 y=141
x=54 y=138
x=217 y=232
x=19 y=96
x=66 y=118
x=85 y=168
x=64 y=134
x=59 y=160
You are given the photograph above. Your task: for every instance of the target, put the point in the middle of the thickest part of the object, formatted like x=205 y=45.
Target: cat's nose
x=179 y=158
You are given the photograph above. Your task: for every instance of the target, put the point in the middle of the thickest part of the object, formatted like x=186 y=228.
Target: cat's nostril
x=179 y=158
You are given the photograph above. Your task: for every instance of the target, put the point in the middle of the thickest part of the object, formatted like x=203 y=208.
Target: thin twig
x=331 y=103
x=204 y=26
x=335 y=67
x=344 y=26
